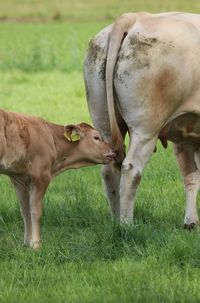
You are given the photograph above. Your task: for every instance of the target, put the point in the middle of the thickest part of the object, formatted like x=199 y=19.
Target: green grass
x=85 y=256
x=43 y=47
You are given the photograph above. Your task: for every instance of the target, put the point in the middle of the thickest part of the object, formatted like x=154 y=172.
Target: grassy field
x=85 y=256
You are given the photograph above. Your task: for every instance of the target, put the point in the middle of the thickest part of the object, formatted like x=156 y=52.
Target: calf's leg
x=38 y=189
x=23 y=197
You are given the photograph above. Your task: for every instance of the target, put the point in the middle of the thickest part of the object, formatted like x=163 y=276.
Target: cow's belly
x=185 y=128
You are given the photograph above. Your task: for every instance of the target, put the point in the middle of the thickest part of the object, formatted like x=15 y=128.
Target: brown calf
x=33 y=151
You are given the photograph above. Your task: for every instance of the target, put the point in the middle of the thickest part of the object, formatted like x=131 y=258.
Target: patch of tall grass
x=45 y=47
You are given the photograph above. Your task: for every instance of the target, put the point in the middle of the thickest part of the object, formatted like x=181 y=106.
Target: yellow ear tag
x=75 y=136
x=67 y=136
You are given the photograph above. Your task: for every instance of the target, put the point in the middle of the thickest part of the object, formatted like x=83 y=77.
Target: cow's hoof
x=191 y=222
x=190 y=226
x=35 y=245
x=26 y=245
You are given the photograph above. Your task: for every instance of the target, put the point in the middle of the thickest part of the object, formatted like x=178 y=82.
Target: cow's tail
x=118 y=33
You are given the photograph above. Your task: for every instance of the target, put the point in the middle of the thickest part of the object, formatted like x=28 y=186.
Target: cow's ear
x=73 y=133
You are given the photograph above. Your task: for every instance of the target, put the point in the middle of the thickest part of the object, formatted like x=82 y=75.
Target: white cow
x=142 y=75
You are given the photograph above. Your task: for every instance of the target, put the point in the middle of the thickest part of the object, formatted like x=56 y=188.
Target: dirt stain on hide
x=138 y=48
x=102 y=70
x=165 y=93
x=163 y=79
x=162 y=85
x=136 y=180
x=94 y=50
x=136 y=53
x=97 y=57
x=142 y=44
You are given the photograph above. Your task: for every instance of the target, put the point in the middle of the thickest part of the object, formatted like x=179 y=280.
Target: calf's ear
x=73 y=132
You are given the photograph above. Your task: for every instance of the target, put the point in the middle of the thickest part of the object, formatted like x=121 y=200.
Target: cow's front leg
x=111 y=174
x=23 y=197
x=38 y=189
x=138 y=155
x=185 y=156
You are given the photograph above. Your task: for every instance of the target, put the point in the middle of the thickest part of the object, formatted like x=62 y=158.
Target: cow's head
x=90 y=145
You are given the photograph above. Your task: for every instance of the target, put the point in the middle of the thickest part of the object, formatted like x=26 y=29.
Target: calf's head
x=90 y=145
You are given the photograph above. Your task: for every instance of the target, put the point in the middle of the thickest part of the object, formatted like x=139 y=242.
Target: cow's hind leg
x=94 y=74
x=111 y=175
x=139 y=152
x=185 y=156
